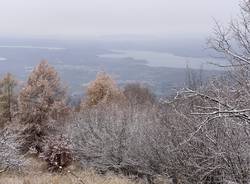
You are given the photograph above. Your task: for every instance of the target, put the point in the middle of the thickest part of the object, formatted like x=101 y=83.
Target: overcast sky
x=81 y=18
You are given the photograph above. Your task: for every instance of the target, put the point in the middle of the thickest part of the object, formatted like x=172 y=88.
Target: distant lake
x=163 y=59
x=156 y=65
x=30 y=47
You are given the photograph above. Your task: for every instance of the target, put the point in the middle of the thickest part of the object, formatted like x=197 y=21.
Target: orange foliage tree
x=103 y=90
x=42 y=103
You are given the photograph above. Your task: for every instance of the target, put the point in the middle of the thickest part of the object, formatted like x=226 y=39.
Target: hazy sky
x=80 y=18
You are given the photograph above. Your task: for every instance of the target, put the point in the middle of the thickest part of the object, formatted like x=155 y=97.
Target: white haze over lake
x=3 y=59
x=30 y=47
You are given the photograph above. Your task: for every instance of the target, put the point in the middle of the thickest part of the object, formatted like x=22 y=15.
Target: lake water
x=162 y=59
x=79 y=62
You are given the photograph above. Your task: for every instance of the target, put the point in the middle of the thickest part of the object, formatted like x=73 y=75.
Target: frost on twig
x=10 y=158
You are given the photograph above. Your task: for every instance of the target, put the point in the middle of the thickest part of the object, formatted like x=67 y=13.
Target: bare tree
x=212 y=135
x=211 y=138
x=137 y=94
x=194 y=78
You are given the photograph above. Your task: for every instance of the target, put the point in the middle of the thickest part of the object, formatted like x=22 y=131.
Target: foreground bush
x=57 y=153
x=10 y=156
x=111 y=138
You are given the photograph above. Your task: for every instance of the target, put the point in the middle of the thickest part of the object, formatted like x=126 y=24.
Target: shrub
x=112 y=138
x=10 y=157
x=57 y=152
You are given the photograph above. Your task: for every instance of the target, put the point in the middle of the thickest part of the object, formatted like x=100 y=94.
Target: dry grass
x=87 y=177
x=35 y=173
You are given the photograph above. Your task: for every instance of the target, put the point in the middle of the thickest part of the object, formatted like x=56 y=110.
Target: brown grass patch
x=86 y=177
